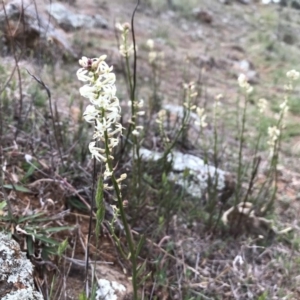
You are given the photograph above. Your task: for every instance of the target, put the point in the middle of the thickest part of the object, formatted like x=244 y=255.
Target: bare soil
x=218 y=267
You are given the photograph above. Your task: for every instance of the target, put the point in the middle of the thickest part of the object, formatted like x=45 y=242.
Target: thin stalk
x=124 y=220
x=241 y=145
x=212 y=196
x=132 y=126
x=185 y=120
x=133 y=83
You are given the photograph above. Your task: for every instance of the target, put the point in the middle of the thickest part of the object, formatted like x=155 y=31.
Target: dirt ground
x=211 y=45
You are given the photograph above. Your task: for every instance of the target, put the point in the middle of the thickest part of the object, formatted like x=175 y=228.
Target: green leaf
x=73 y=202
x=82 y=296
x=141 y=268
x=46 y=239
x=5 y=218
x=16 y=187
x=58 y=229
x=2 y=204
x=31 y=217
x=30 y=247
x=32 y=167
x=139 y=246
x=62 y=247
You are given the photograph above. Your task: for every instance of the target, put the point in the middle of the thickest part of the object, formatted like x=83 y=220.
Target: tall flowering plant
x=104 y=112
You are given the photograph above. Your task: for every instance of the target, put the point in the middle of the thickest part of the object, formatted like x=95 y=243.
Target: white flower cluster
x=154 y=57
x=284 y=107
x=125 y=49
x=274 y=134
x=190 y=93
x=262 y=105
x=104 y=110
x=243 y=83
x=137 y=112
x=293 y=75
x=275 y=131
x=201 y=122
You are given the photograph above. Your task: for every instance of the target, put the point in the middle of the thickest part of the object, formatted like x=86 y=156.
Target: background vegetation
x=156 y=237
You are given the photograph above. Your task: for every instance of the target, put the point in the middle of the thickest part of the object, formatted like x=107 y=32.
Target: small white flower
x=284 y=107
x=242 y=80
x=202 y=116
x=85 y=62
x=140 y=113
x=119 y=26
x=262 y=104
x=274 y=134
x=126 y=50
x=88 y=91
x=118 y=129
x=122 y=177
x=150 y=44
x=243 y=83
x=219 y=97
x=249 y=89
x=141 y=103
x=135 y=132
x=107 y=173
x=113 y=142
x=96 y=152
x=84 y=75
x=200 y=111
x=162 y=114
x=28 y=158
x=123 y=27
x=102 y=67
x=288 y=87
x=152 y=56
x=293 y=74
x=90 y=113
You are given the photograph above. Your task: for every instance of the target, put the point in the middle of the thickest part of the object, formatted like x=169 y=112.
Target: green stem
x=241 y=144
x=213 y=193
x=124 y=220
x=185 y=121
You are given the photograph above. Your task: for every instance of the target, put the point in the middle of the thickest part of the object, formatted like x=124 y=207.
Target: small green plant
x=30 y=227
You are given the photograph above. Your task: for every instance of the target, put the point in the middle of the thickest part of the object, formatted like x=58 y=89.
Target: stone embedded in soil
x=246 y=67
x=16 y=280
x=201 y=176
x=112 y=284
x=72 y=21
x=32 y=30
x=109 y=289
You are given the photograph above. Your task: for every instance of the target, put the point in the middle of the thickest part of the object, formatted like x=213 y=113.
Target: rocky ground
x=211 y=43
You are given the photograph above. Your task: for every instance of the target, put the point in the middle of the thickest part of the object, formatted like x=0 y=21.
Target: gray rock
x=245 y=1
x=109 y=289
x=16 y=280
x=246 y=67
x=293 y=4
x=35 y=28
x=201 y=175
x=72 y=21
